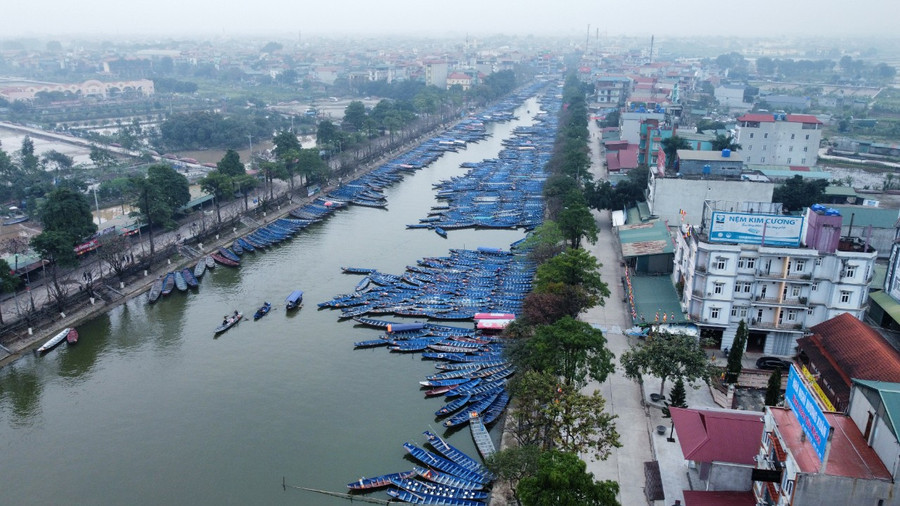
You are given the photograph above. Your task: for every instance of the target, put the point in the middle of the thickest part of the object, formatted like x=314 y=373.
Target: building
x=14 y=91
x=720 y=444
x=843 y=349
x=612 y=91
x=780 y=274
x=436 y=73
x=779 y=139
x=875 y=409
x=459 y=78
x=731 y=95
x=680 y=200
x=718 y=164
x=632 y=121
x=791 y=471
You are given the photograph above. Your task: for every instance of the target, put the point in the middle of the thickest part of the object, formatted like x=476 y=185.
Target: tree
x=230 y=164
x=102 y=158
x=69 y=212
x=152 y=209
x=243 y=184
x=219 y=186
x=326 y=133
x=773 y=388
x=562 y=480
x=671 y=146
x=285 y=141
x=544 y=242
x=677 y=398
x=568 y=348
x=665 y=355
x=57 y=248
x=736 y=353
x=60 y=162
x=27 y=159
x=576 y=221
x=8 y=281
x=724 y=142
x=512 y=464
x=575 y=274
x=355 y=115
x=173 y=187
x=796 y=193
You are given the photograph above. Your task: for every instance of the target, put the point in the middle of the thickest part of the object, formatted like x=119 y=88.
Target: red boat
x=72 y=336
x=224 y=261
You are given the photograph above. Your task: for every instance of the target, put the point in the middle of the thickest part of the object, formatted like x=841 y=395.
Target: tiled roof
x=721 y=436
x=857 y=350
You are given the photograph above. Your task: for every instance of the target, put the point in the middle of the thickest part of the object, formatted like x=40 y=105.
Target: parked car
x=771 y=363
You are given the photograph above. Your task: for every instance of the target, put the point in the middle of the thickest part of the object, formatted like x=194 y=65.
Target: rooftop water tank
x=817 y=208
x=726 y=153
x=832 y=212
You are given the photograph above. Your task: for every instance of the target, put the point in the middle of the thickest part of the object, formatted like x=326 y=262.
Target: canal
x=149 y=409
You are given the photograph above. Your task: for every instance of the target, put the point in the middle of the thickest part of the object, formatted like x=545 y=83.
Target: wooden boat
x=442 y=464
x=180 y=282
x=443 y=382
x=210 y=262
x=246 y=246
x=441 y=232
x=16 y=219
x=224 y=261
x=53 y=341
x=168 y=284
x=155 y=290
x=493 y=412
x=294 y=300
x=453 y=406
x=200 y=268
x=482 y=438
x=189 y=278
x=418 y=498
x=237 y=248
x=262 y=311
x=427 y=487
x=473 y=410
x=72 y=336
x=454 y=454
x=228 y=322
x=379 y=481
x=227 y=253
x=446 y=479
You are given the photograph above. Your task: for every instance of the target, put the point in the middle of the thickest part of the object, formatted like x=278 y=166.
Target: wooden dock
x=481 y=436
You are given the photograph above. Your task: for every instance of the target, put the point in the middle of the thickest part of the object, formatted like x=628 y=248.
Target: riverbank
x=29 y=340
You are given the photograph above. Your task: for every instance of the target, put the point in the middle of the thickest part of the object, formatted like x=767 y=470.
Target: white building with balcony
x=780 y=274
x=779 y=139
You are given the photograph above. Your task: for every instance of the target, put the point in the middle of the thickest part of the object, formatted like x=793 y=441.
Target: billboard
x=749 y=228
x=808 y=413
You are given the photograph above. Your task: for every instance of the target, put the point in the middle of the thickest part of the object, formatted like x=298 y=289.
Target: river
x=148 y=408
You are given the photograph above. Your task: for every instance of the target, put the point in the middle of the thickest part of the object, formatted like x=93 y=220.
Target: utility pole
x=250 y=156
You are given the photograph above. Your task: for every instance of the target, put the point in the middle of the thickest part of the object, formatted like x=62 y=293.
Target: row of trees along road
x=555 y=354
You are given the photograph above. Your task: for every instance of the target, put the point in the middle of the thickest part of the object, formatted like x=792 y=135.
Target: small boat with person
x=229 y=321
x=379 y=481
x=294 y=300
x=55 y=340
x=262 y=311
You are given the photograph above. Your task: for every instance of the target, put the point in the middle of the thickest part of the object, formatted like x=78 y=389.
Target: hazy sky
x=432 y=17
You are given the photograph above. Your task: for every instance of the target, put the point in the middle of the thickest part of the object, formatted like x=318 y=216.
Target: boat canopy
x=294 y=297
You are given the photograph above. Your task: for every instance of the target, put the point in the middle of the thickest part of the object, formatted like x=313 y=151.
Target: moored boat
x=447 y=479
x=168 y=284
x=294 y=300
x=427 y=487
x=227 y=253
x=422 y=498
x=224 y=261
x=155 y=290
x=72 y=336
x=200 y=268
x=189 y=278
x=55 y=340
x=210 y=262
x=379 y=481
x=180 y=282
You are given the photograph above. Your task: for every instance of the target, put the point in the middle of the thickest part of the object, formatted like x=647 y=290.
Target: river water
x=148 y=408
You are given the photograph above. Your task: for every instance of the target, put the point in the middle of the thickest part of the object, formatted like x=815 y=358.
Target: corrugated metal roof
x=863 y=216
x=649 y=238
x=720 y=436
x=890 y=398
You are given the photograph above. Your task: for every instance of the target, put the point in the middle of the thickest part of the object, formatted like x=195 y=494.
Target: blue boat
x=447 y=479
x=200 y=268
x=441 y=232
x=453 y=405
x=227 y=253
x=454 y=454
x=442 y=464
x=443 y=491
x=379 y=481
x=493 y=412
x=262 y=311
x=420 y=498
x=475 y=409
x=237 y=248
x=245 y=245
x=155 y=290
x=189 y=278
x=168 y=284
x=294 y=300
x=180 y=282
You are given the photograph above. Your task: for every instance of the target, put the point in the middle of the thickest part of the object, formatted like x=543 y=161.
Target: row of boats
x=471 y=369
x=293 y=301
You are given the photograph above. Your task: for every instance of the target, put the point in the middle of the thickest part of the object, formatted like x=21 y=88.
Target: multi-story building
x=779 y=139
x=780 y=274
x=612 y=91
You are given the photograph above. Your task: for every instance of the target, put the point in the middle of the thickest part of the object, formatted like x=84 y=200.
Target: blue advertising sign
x=749 y=228
x=808 y=413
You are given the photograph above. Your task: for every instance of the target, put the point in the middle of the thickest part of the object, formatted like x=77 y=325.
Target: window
x=789 y=160
x=819 y=261
x=792 y=136
x=762 y=159
x=751 y=135
x=743 y=312
x=814 y=287
x=850 y=271
x=764 y=147
x=807 y=136
x=766 y=136
x=795 y=291
x=718 y=288
x=734 y=312
x=805 y=149
x=799 y=265
x=714 y=313
x=721 y=262
x=750 y=148
x=803 y=161
x=751 y=263
x=792 y=315
x=791 y=148
x=810 y=311
x=845 y=296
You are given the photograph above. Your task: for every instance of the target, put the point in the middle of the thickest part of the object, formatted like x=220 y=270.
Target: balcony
x=792 y=302
x=764 y=324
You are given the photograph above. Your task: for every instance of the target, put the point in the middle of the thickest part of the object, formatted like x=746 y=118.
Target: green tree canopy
x=67 y=211
x=355 y=115
x=724 y=142
x=677 y=398
x=173 y=187
x=544 y=242
x=796 y=193
x=736 y=354
x=562 y=480
x=773 y=388
x=667 y=355
x=574 y=273
x=220 y=186
x=285 y=141
x=576 y=221
x=568 y=348
x=671 y=146
x=230 y=164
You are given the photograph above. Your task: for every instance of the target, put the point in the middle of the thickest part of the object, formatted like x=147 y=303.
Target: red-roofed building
x=460 y=78
x=621 y=156
x=789 y=471
x=721 y=443
x=779 y=139
x=718 y=498
x=843 y=348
